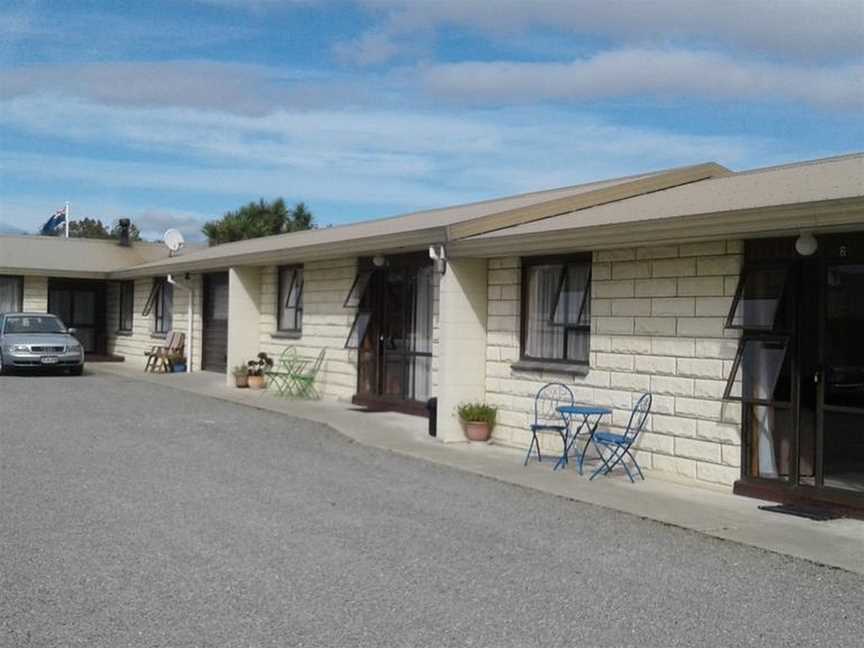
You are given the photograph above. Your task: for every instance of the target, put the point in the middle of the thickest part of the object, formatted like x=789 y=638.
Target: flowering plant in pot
x=478 y=420
x=258 y=370
x=241 y=375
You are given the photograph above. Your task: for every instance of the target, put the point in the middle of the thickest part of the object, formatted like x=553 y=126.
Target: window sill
x=287 y=335
x=551 y=367
x=124 y=333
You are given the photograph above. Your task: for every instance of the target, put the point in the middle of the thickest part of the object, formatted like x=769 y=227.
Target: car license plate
x=49 y=360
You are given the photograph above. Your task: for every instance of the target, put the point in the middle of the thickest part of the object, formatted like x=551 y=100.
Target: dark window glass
x=160 y=304
x=11 y=294
x=34 y=324
x=126 y=306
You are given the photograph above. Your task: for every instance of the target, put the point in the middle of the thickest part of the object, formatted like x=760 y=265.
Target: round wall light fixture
x=806 y=245
x=379 y=260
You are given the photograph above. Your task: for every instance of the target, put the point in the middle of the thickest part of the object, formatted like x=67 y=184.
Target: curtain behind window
x=543 y=339
x=421 y=338
x=10 y=294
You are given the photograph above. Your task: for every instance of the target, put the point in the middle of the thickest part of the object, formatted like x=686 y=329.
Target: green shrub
x=477 y=412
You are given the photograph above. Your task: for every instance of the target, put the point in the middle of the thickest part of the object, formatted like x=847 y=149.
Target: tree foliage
x=94 y=228
x=134 y=232
x=258 y=219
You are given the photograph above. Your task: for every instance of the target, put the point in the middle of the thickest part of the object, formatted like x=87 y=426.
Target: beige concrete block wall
x=326 y=322
x=132 y=346
x=35 y=297
x=657 y=323
x=464 y=314
x=244 y=316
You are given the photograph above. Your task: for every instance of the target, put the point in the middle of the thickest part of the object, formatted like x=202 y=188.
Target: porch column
x=244 y=316
x=463 y=299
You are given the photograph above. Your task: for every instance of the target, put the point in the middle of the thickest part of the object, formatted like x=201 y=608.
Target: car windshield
x=34 y=324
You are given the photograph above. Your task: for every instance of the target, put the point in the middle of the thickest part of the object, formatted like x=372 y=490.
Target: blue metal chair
x=618 y=445
x=547 y=418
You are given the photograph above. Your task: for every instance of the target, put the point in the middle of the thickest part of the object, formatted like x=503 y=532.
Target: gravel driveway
x=134 y=515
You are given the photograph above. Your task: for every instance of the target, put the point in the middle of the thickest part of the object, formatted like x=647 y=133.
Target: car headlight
x=74 y=348
x=20 y=347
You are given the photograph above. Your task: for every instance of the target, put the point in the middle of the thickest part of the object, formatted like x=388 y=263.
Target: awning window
x=571 y=306
x=151 y=299
x=358 y=289
x=294 y=298
x=358 y=330
x=760 y=372
x=757 y=298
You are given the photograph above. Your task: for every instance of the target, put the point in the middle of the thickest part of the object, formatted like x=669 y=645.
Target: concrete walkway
x=837 y=543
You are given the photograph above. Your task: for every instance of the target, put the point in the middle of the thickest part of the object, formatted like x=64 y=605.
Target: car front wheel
x=76 y=371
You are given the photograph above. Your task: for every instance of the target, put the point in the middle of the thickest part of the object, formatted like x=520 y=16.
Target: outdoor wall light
x=438 y=254
x=379 y=260
x=806 y=245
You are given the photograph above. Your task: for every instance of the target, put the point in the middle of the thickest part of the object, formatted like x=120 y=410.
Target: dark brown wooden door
x=215 y=323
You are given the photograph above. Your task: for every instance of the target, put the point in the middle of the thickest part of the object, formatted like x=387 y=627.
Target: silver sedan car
x=38 y=341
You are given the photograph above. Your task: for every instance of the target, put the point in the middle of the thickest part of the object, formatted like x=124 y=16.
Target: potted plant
x=241 y=375
x=258 y=370
x=478 y=420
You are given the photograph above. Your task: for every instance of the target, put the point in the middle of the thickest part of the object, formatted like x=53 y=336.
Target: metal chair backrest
x=316 y=366
x=638 y=417
x=288 y=357
x=548 y=400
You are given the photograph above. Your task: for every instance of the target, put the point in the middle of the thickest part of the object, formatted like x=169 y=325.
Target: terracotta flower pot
x=257 y=382
x=477 y=430
x=241 y=381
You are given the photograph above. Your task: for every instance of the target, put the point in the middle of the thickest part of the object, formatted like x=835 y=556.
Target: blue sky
x=172 y=113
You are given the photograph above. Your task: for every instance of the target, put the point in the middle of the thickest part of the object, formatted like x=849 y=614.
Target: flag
x=57 y=219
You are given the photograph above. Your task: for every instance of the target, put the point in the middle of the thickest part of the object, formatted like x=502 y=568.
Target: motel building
x=735 y=298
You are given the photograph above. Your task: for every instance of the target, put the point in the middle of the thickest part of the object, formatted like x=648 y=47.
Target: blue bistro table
x=589 y=418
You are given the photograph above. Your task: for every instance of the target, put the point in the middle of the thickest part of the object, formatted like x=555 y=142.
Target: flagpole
x=66 y=218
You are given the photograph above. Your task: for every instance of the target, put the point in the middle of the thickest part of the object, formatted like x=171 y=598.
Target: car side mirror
x=71 y=331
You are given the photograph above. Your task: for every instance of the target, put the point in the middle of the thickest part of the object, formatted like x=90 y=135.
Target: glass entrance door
x=392 y=333
x=799 y=370
x=841 y=416
x=80 y=305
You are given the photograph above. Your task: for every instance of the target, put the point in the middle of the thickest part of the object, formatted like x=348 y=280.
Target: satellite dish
x=173 y=240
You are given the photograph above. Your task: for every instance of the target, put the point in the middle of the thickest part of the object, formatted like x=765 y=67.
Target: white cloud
x=803 y=29
x=370 y=48
x=404 y=159
x=635 y=72
x=153 y=223
x=229 y=87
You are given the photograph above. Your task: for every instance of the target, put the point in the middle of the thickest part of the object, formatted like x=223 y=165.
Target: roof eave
x=593 y=198
x=776 y=220
x=404 y=241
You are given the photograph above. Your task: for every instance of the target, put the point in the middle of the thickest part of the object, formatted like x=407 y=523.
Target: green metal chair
x=279 y=376
x=302 y=380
